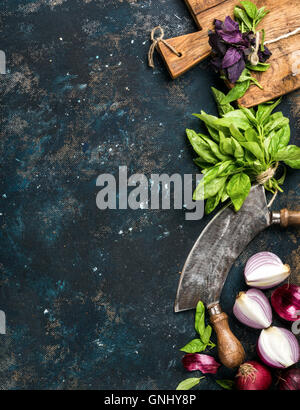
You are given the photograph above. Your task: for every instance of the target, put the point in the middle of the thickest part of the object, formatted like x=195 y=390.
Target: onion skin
x=253 y=309
x=286 y=302
x=290 y=380
x=264 y=270
x=253 y=376
x=202 y=362
x=272 y=334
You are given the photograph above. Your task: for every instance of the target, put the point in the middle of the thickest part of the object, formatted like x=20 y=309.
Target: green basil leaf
x=226 y=145
x=278 y=140
x=235 y=132
x=200 y=318
x=282 y=178
x=249 y=158
x=201 y=164
x=214 y=148
x=238 y=151
x=254 y=80
x=244 y=76
x=222 y=108
x=251 y=135
x=250 y=115
x=222 y=169
x=210 y=189
x=214 y=186
x=229 y=169
x=242 y=17
x=207 y=334
x=211 y=121
x=267 y=148
x=265 y=110
x=289 y=153
x=187 y=384
x=262 y=41
x=225 y=196
x=226 y=384
x=250 y=8
x=274 y=125
x=213 y=133
x=237 y=92
x=210 y=174
x=258 y=67
x=211 y=204
x=258 y=167
x=194 y=346
x=293 y=163
x=274 y=144
x=273 y=117
x=238 y=118
x=261 y=13
x=201 y=148
x=255 y=149
x=238 y=189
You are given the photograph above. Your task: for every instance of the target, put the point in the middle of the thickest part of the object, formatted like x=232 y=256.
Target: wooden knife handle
x=288 y=218
x=230 y=350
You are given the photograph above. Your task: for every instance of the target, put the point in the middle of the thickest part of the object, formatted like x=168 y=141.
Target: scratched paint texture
x=89 y=294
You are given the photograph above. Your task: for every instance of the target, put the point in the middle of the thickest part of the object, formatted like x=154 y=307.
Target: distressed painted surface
x=89 y=294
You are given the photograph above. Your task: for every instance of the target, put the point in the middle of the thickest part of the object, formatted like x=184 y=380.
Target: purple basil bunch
x=232 y=48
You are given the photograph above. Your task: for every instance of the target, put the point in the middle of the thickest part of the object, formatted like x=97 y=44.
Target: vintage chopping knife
x=206 y=268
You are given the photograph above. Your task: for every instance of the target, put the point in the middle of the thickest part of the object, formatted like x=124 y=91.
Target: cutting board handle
x=230 y=350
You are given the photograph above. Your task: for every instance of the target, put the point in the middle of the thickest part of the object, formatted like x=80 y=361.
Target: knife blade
x=220 y=243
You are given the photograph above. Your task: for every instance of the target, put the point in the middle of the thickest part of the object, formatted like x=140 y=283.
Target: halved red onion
x=278 y=347
x=202 y=362
x=253 y=309
x=286 y=302
x=265 y=270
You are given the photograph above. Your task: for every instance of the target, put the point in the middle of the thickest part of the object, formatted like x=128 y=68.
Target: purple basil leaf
x=218 y=24
x=229 y=31
x=230 y=25
x=216 y=63
x=234 y=72
x=233 y=37
x=217 y=44
x=231 y=57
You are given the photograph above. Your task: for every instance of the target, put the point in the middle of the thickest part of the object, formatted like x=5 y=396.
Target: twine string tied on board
x=155 y=40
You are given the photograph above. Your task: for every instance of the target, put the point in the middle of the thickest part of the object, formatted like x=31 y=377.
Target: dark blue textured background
x=89 y=307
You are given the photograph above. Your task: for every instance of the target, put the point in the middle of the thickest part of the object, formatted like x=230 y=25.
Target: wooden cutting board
x=284 y=74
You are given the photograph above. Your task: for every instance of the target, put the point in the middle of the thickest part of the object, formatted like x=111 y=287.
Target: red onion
x=278 y=347
x=290 y=380
x=253 y=309
x=202 y=362
x=265 y=270
x=286 y=302
x=253 y=376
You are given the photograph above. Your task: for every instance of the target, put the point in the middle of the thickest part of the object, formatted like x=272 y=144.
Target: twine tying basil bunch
x=242 y=147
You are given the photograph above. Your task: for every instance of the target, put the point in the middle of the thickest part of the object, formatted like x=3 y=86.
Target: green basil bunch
x=240 y=146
